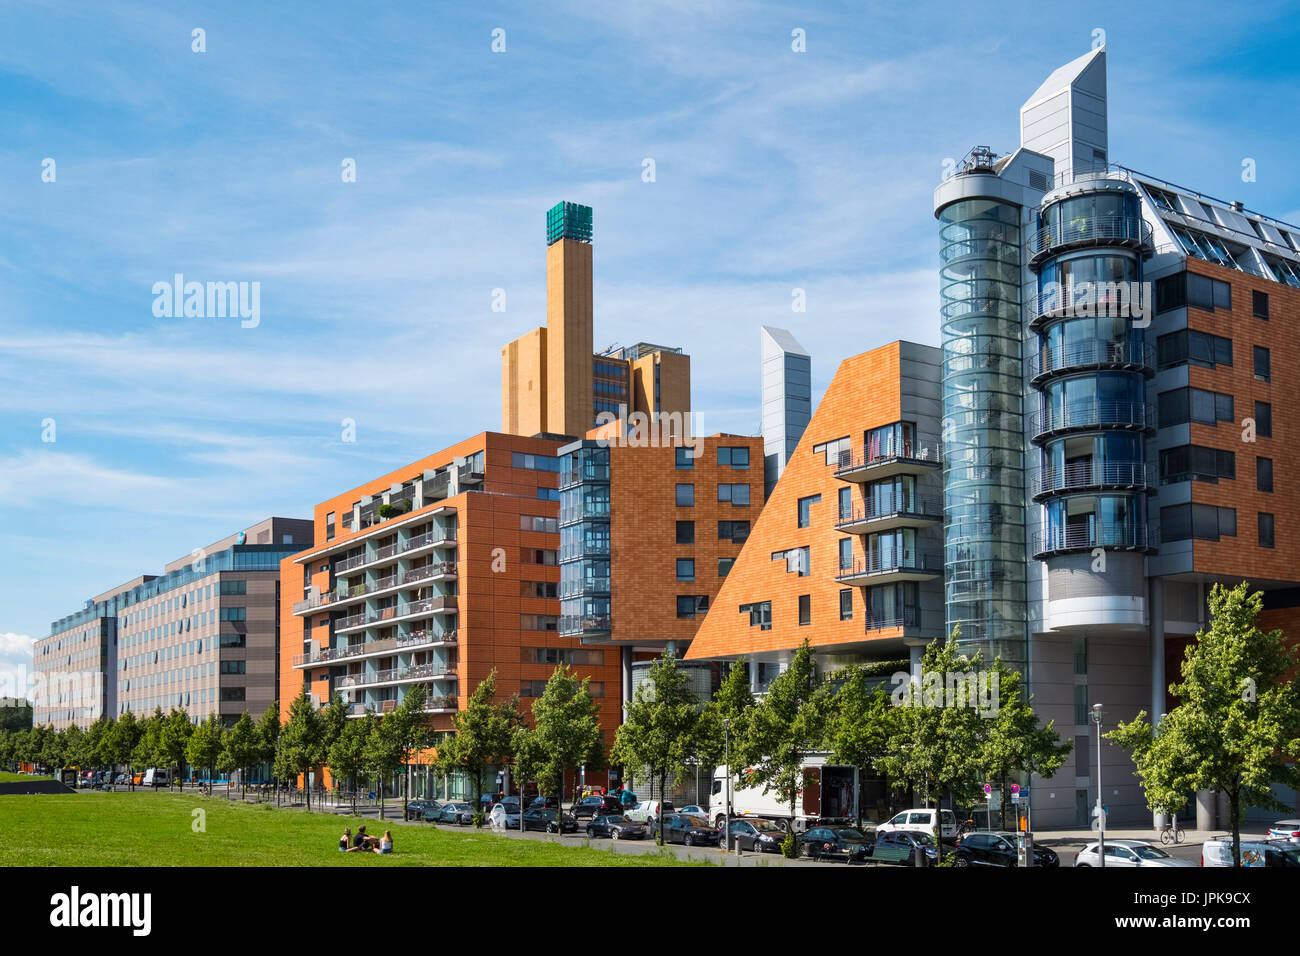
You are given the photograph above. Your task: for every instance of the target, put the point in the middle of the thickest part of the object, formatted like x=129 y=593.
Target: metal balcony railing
x=1120 y=230
x=1048 y=361
x=587 y=549
x=920 y=506
x=885 y=561
x=1085 y=537
x=571 y=624
x=393 y=674
x=901 y=617
x=596 y=585
x=1112 y=300
x=407 y=642
x=850 y=461
x=1091 y=413
x=1090 y=474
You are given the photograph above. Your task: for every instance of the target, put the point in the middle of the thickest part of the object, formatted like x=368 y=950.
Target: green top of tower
x=568 y=220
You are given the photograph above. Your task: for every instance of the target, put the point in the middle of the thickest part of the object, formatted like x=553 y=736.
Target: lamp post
x=726 y=810
x=1101 y=814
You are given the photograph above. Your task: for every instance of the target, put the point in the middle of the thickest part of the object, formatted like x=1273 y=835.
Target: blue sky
x=774 y=170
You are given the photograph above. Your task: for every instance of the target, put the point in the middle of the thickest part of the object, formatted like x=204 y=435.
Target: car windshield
x=694 y=822
x=848 y=834
x=767 y=826
x=1149 y=852
x=616 y=820
x=922 y=838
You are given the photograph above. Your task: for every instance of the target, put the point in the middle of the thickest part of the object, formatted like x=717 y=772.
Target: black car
x=985 y=848
x=539 y=803
x=689 y=831
x=419 y=809
x=837 y=843
x=616 y=828
x=541 y=818
x=761 y=836
x=596 y=805
x=899 y=846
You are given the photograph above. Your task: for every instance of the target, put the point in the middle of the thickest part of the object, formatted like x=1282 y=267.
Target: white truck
x=829 y=793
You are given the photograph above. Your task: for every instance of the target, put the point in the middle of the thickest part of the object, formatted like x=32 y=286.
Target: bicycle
x=1172 y=833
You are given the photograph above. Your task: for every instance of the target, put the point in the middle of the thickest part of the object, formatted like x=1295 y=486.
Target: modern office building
x=203 y=636
x=846 y=551
x=648 y=533
x=786 y=395
x=551 y=380
x=437 y=574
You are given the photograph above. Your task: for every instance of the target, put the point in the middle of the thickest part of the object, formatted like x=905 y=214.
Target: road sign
x=988 y=788
x=1015 y=788
x=1015 y=794
x=1098 y=819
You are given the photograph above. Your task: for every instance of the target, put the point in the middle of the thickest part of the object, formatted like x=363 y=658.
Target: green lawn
x=7 y=777
x=155 y=829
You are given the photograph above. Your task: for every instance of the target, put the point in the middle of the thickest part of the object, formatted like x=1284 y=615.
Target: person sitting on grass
x=386 y=844
x=360 y=841
x=345 y=840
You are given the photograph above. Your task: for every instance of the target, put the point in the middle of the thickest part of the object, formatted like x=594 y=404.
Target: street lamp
x=1101 y=814
x=726 y=810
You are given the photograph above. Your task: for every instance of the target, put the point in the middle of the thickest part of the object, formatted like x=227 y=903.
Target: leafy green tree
x=96 y=735
x=16 y=716
x=783 y=727
x=484 y=734
x=241 y=748
x=733 y=701
x=565 y=733
x=72 y=743
x=859 y=723
x=8 y=742
x=1015 y=742
x=51 y=746
x=935 y=746
x=1236 y=727
x=173 y=739
x=661 y=732
x=149 y=750
x=300 y=747
x=382 y=754
x=268 y=735
x=120 y=742
x=347 y=755
x=203 y=749
x=408 y=729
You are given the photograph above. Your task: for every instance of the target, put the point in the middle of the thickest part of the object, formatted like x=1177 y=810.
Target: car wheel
x=688 y=840
x=961 y=861
x=1083 y=866
x=591 y=834
x=614 y=834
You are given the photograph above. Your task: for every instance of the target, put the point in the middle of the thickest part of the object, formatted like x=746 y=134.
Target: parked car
x=694 y=810
x=758 y=835
x=1284 y=829
x=419 y=809
x=899 y=846
x=504 y=815
x=1128 y=853
x=649 y=812
x=616 y=828
x=998 y=848
x=542 y=818
x=458 y=813
x=120 y=780
x=836 y=843
x=156 y=777
x=689 y=830
x=920 y=818
x=1279 y=852
x=548 y=803
x=596 y=805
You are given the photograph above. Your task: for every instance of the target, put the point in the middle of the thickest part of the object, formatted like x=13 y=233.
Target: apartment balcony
x=437 y=571
x=595 y=510
x=891 y=566
x=589 y=625
x=1090 y=415
x=447 y=704
x=1114 y=300
x=465 y=475
x=421 y=542
x=1087 y=537
x=399 y=675
x=416 y=640
x=585 y=549
x=400 y=612
x=873 y=465
x=1130 y=232
x=596 y=587
x=585 y=472
x=876 y=516
x=308 y=605
x=1090 y=476
x=1047 y=363
x=910 y=620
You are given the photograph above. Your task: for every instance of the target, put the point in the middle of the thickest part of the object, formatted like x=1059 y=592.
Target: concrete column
x=1205 y=810
x=915 y=651
x=670 y=648
x=1225 y=811
x=1156 y=632
x=626 y=660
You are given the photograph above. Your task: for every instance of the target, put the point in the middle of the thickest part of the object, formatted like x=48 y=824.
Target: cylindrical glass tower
x=983 y=425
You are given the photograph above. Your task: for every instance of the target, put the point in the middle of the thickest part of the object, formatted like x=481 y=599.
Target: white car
x=920 y=818
x=1288 y=829
x=1278 y=852
x=1128 y=853
x=649 y=812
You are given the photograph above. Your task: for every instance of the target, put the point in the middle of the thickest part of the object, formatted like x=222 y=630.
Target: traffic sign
x=1015 y=788
x=1015 y=794
x=988 y=788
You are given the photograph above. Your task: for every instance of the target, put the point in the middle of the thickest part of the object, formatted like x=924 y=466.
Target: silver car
x=1129 y=853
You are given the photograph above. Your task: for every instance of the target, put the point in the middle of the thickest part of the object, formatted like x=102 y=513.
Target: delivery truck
x=829 y=794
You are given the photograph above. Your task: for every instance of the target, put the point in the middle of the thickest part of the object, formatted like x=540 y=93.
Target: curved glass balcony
x=1086 y=537
x=1089 y=475
x=1090 y=414
x=1131 y=231
x=1051 y=360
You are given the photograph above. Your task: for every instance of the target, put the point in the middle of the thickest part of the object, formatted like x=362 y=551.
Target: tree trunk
x=663 y=782
x=1234 y=797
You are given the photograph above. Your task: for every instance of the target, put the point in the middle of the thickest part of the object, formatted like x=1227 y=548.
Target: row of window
x=736 y=494
x=539 y=523
x=734 y=531
x=729 y=456
x=536 y=688
x=1209 y=523
x=584 y=657
x=1189 y=346
x=519 y=459
x=1198 y=463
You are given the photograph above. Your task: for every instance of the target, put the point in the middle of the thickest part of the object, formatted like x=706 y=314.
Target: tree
x=300 y=743
x=203 y=749
x=173 y=739
x=149 y=750
x=484 y=734
x=733 y=701
x=859 y=723
x=381 y=753
x=268 y=735
x=782 y=729
x=72 y=743
x=120 y=742
x=661 y=730
x=408 y=729
x=241 y=748
x=565 y=733
x=96 y=736
x=347 y=755
x=16 y=715
x=51 y=746
x=1236 y=727
x=935 y=745
x=1015 y=743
